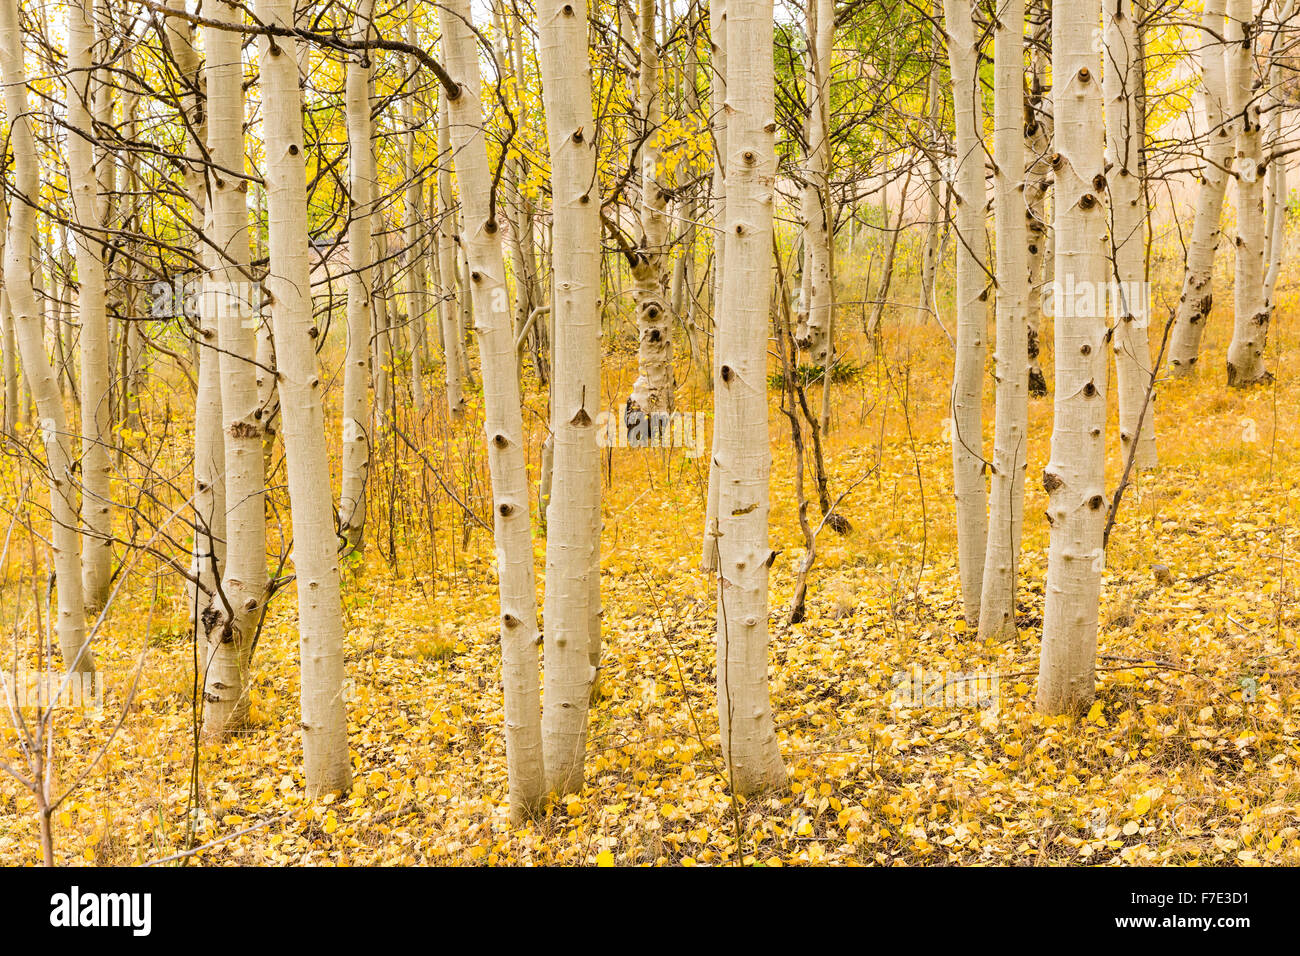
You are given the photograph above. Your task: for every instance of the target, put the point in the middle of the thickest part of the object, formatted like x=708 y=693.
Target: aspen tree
x=235 y=611
x=1198 y=278
x=288 y=285
x=1010 y=436
x=573 y=517
x=28 y=320
x=717 y=101
x=503 y=416
x=925 y=307
x=742 y=457
x=972 y=290
x=1277 y=162
x=87 y=212
x=1127 y=289
x=209 y=503
x=1249 y=305
x=1038 y=139
x=10 y=346
x=815 y=200
x=417 y=294
x=448 y=310
x=652 y=392
x=1075 y=475
x=356 y=367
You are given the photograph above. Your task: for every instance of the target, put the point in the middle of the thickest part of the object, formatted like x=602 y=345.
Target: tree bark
x=315 y=556
x=652 y=392
x=28 y=323
x=448 y=309
x=997 y=607
x=743 y=459
x=815 y=200
x=717 y=101
x=972 y=286
x=96 y=406
x=1075 y=475
x=1129 y=300
x=1249 y=306
x=356 y=369
x=1198 y=278
x=235 y=611
x=573 y=517
x=503 y=418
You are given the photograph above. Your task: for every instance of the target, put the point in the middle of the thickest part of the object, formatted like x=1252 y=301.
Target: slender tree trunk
x=209 y=502
x=236 y=610
x=503 y=418
x=743 y=459
x=417 y=296
x=573 y=518
x=1075 y=475
x=315 y=556
x=1277 y=162
x=1129 y=300
x=448 y=309
x=1038 y=140
x=652 y=392
x=815 y=200
x=972 y=290
x=926 y=305
x=10 y=356
x=356 y=369
x=96 y=408
x=1198 y=278
x=28 y=322
x=1011 y=426
x=717 y=109
x=1249 y=306
x=381 y=336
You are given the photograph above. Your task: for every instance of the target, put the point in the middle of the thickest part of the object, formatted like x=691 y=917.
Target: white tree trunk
x=235 y=611
x=503 y=417
x=815 y=200
x=1038 y=140
x=743 y=459
x=573 y=517
x=448 y=310
x=1129 y=299
x=972 y=289
x=652 y=392
x=288 y=285
x=1198 y=277
x=1010 y=434
x=209 y=503
x=356 y=369
x=717 y=101
x=417 y=296
x=10 y=353
x=1075 y=475
x=1277 y=161
x=1249 y=307
x=925 y=306
x=96 y=417
x=28 y=322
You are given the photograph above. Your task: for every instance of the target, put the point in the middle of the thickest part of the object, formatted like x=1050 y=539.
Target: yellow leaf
x=604 y=858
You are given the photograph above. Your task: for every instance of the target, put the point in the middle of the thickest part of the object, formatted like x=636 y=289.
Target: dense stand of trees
x=293 y=239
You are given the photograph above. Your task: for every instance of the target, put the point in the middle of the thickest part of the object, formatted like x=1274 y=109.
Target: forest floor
x=1189 y=754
